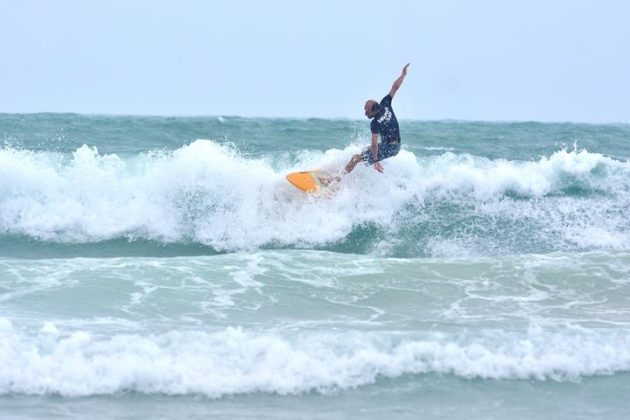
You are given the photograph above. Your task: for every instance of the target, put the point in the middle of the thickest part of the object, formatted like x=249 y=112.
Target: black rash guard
x=385 y=122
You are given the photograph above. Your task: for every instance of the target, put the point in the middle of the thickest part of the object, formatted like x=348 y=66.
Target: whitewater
x=164 y=265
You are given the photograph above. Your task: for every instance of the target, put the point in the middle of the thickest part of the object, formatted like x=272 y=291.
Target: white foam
x=234 y=361
x=210 y=193
x=486 y=179
x=5 y=326
x=49 y=328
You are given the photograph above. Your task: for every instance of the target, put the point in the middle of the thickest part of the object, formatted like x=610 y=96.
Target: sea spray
x=209 y=193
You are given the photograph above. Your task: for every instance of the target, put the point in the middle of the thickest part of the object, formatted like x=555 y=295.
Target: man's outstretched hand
x=398 y=81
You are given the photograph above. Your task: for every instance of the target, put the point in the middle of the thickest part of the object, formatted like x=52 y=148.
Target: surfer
x=385 y=124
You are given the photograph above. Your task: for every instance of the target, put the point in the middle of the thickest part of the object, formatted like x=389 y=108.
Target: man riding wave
x=385 y=124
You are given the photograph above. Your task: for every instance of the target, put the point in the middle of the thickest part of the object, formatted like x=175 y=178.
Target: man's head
x=371 y=108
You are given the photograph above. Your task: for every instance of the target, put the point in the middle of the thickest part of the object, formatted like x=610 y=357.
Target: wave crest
x=212 y=194
x=234 y=361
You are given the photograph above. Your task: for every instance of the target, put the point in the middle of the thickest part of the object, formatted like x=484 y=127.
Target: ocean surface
x=162 y=267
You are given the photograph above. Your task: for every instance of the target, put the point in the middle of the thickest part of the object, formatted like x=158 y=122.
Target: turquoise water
x=154 y=266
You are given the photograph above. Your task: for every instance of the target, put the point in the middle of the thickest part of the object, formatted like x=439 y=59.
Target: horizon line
x=219 y=116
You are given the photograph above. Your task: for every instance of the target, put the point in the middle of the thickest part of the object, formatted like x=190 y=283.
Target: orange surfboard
x=307 y=181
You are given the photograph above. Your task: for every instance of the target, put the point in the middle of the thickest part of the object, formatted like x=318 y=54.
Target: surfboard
x=315 y=181
x=307 y=181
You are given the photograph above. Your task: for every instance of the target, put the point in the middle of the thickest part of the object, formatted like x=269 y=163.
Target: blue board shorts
x=385 y=150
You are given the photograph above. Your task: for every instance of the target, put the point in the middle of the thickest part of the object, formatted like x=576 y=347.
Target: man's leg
x=353 y=162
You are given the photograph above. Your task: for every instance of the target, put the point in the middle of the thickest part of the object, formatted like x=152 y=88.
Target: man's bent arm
x=374 y=147
x=398 y=82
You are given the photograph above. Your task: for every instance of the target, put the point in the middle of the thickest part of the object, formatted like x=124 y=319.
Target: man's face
x=368 y=107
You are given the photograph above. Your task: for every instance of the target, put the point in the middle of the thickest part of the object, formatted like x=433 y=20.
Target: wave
x=316 y=289
x=212 y=194
x=235 y=361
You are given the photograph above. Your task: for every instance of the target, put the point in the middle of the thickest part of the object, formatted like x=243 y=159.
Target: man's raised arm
x=398 y=81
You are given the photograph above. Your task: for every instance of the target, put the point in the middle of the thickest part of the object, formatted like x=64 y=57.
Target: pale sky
x=543 y=60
